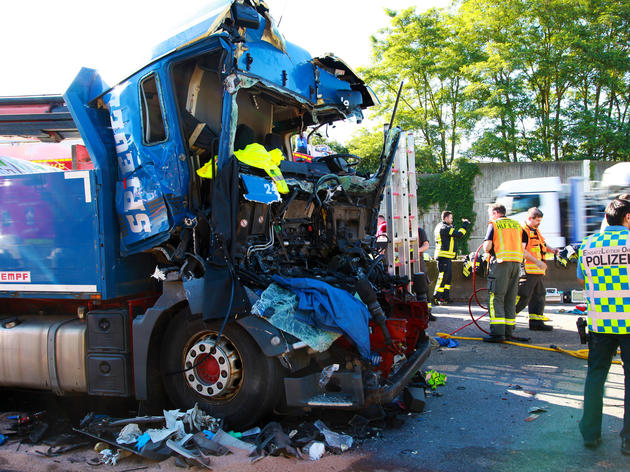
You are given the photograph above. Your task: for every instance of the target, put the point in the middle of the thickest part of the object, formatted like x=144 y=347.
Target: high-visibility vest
x=604 y=259
x=254 y=155
x=537 y=247
x=507 y=240
x=445 y=236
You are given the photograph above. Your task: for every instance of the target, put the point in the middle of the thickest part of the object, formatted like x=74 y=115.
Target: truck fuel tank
x=43 y=352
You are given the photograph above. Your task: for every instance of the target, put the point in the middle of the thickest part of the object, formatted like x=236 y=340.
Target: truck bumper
x=397 y=382
x=305 y=392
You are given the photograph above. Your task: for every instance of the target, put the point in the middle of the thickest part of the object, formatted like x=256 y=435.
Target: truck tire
x=235 y=381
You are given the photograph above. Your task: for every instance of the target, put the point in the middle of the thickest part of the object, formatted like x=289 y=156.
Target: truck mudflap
x=306 y=392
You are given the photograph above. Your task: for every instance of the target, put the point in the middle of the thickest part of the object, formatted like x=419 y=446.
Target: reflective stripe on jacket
x=537 y=247
x=605 y=262
x=445 y=236
x=507 y=240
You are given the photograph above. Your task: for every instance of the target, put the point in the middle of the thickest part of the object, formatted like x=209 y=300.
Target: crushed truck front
x=259 y=255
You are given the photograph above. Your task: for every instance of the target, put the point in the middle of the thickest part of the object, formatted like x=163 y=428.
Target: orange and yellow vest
x=537 y=247
x=507 y=240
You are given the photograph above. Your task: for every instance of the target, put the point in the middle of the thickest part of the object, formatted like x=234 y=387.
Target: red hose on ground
x=474 y=295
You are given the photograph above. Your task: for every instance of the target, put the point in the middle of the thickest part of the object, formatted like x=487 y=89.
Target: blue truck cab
x=141 y=277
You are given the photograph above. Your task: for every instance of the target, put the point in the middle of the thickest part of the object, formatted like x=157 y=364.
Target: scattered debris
x=342 y=442
x=413 y=398
x=129 y=434
x=326 y=375
x=274 y=441
x=196 y=456
x=535 y=412
x=315 y=450
x=209 y=446
x=435 y=379
x=226 y=440
x=447 y=342
x=192 y=437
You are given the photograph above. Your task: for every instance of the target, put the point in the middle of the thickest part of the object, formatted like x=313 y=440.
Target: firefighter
x=445 y=252
x=504 y=243
x=531 y=290
x=604 y=264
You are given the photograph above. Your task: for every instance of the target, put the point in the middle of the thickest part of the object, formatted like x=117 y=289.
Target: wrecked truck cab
x=259 y=256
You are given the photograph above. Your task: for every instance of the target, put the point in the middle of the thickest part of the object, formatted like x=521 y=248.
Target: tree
x=368 y=145
x=510 y=79
x=496 y=79
x=424 y=51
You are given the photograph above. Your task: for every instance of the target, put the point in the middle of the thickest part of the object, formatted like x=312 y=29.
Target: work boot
x=625 y=446
x=493 y=338
x=518 y=339
x=538 y=325
x=596 y=442
x=432 y=317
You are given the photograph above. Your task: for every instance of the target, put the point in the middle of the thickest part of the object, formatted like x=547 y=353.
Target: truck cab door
x=152 y=182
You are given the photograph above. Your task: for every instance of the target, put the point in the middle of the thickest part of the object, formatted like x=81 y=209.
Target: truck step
x=330 y=400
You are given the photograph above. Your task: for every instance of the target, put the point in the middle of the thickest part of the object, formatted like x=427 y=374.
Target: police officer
x=445 y=251
x=531 y=291
x=504 y=243
x=604 y=264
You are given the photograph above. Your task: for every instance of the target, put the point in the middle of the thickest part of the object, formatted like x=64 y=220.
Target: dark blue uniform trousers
x=602 y=348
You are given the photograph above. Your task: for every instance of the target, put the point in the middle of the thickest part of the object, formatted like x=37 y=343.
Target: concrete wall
x=561 y=278
x=491 y=176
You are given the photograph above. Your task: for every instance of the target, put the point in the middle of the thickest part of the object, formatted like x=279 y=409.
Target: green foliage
x=450 y=190
x=510 y=80
x=368 y=145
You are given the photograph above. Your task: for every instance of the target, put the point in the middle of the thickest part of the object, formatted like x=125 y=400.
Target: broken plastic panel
x=260 y=189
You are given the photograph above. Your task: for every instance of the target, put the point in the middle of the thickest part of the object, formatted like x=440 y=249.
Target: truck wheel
x=230 y=379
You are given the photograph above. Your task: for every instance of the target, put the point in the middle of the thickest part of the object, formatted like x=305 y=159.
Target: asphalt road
x=478 y=424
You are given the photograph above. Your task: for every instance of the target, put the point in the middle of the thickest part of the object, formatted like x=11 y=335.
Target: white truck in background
x=571 y=210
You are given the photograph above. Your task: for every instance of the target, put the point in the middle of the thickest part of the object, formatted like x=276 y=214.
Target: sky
x=45 y=43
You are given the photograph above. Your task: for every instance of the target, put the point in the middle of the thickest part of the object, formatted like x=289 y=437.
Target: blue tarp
x=324 y=306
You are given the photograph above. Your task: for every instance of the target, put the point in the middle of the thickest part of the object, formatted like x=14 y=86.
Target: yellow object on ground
x=579 y=353
x=434 y=379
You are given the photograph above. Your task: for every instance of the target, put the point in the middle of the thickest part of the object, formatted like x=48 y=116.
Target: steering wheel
x=339 y=162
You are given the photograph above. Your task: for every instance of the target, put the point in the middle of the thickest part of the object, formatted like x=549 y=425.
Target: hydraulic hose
x=474 y=296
